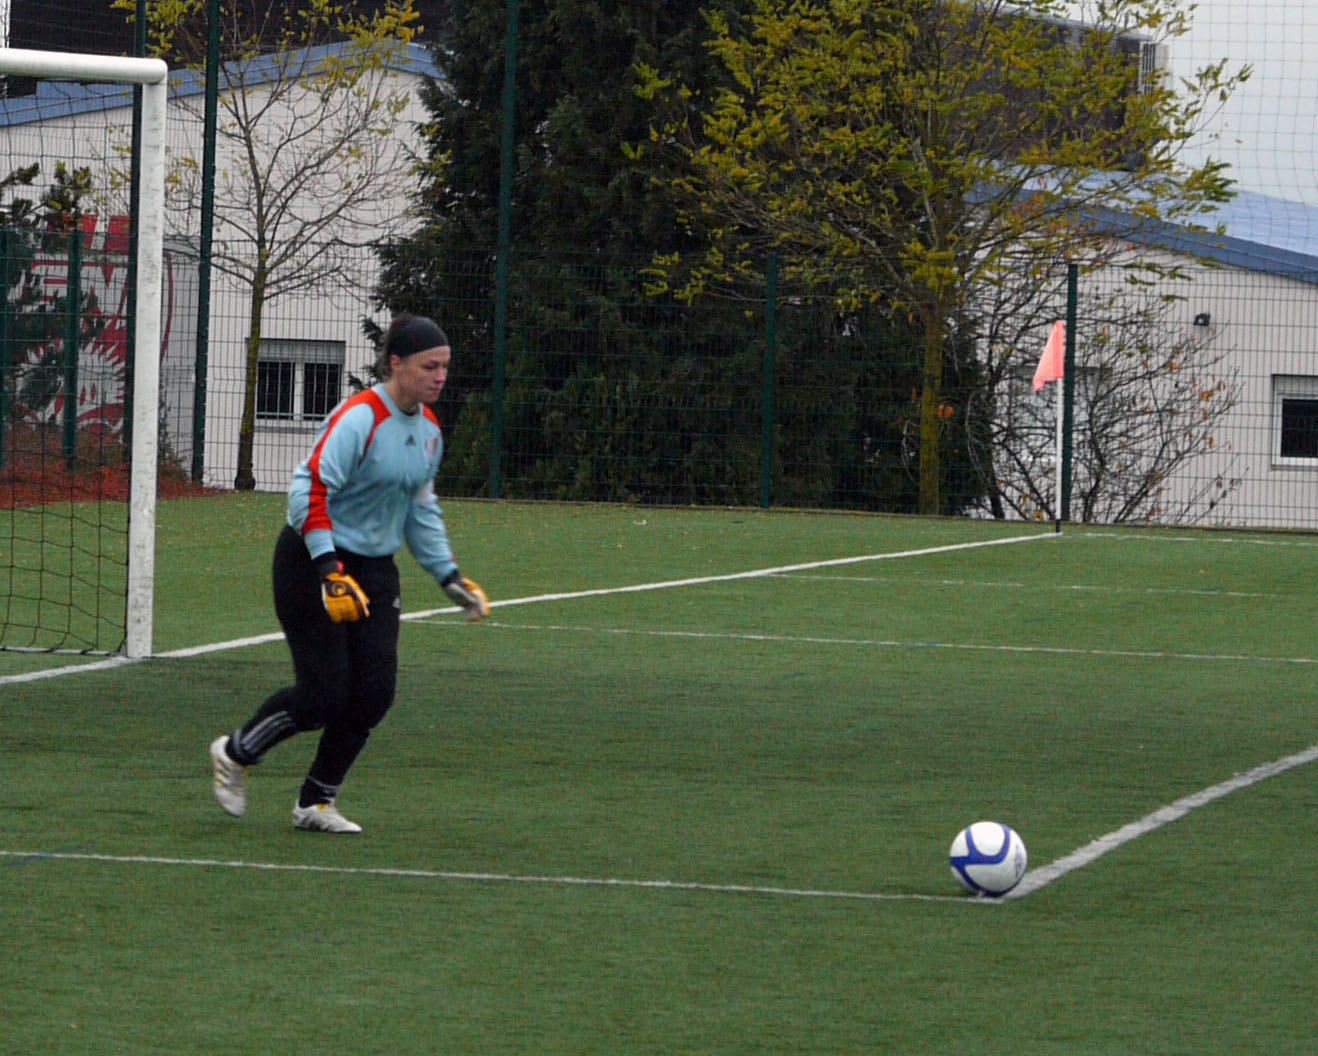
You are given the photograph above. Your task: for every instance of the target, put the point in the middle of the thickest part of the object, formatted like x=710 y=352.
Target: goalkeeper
x=365 y=489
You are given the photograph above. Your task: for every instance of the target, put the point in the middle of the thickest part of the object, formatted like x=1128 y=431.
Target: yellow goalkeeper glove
x=343 y=598
x=467 y=594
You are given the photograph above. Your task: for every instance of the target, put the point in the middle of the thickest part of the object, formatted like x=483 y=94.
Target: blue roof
x=55 y=99
x=1261 y=233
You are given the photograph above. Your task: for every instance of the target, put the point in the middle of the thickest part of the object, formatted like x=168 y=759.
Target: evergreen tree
x=615 y=390
x=594 y=361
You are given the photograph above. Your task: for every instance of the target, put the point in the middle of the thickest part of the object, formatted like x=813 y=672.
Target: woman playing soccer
x=364 y=491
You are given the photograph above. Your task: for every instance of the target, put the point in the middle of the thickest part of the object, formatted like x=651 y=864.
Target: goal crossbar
x=24 y=62
x=153 y=76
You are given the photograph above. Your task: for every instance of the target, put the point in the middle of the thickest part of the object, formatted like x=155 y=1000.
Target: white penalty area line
x=1037 y=879
x=487 y=878
x=892 y=643
x=263 y=639
x=1078 y=588
x=1154 y=536
x=754 y=573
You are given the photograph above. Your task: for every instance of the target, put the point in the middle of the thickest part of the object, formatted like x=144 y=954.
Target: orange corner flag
x=1052 y=364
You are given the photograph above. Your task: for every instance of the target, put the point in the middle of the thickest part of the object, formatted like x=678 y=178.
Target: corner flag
x=1052 y=364
x=1052 y=367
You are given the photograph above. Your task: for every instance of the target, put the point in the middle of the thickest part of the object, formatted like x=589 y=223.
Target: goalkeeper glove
x=343 y=598
x=467 y=594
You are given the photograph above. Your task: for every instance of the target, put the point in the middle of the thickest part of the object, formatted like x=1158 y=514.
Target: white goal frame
x=153 y=76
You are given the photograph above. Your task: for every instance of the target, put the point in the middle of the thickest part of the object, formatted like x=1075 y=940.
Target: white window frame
x=1284 y=387
x=301 y=353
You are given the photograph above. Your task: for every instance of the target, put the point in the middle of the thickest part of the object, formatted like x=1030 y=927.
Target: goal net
x=80 y=346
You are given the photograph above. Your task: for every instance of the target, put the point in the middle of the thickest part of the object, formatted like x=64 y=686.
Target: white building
x=1195 y=386
x=1253 y=296
x=311 y=324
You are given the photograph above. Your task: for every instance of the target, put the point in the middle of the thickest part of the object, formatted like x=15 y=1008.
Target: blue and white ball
x=988 y=858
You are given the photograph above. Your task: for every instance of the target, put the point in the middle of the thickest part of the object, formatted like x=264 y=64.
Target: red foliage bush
x=34 y=470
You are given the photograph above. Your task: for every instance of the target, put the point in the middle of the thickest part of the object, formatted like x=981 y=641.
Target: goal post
x=152 y=76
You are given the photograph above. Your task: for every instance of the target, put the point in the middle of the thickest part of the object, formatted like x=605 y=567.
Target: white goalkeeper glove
x=466 y=594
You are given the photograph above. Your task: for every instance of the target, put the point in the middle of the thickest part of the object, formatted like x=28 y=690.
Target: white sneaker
x=322 y=817
x=228 y=782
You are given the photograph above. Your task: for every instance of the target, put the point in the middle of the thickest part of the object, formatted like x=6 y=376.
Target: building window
x=1295 y=412
x=274 y=389
x=298 y=381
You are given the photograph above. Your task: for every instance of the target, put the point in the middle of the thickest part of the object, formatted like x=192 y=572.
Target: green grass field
x=706 y=818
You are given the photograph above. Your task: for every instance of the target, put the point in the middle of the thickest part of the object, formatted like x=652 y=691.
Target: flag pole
x=1052 y=366
x=1057 y=523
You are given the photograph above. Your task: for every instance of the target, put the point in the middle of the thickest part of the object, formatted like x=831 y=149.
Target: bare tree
x=1151 y=394
x=310 y=159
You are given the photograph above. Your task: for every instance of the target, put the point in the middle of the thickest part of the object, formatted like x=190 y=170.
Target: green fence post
x=201 y=366
x=135 y=171
x=6 y=338
x=1068 y=391
x=505 y=239
x=766 y=406
x=72 y=339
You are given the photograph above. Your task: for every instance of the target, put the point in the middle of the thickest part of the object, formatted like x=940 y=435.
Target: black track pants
x=344 y=673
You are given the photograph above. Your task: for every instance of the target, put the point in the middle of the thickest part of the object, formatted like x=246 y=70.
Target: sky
x=1268 y=130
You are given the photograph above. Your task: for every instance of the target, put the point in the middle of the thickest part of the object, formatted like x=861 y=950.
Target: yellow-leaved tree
x=907 y=151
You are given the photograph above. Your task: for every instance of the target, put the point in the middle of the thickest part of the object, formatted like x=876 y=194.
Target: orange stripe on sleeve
x=318 y=500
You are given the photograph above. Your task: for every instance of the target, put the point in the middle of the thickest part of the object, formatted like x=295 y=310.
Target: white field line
x=489 y=878
x=262 y=639
x=70 y=669
x=1302 y=543
x=888 y=643
x=755 y=573
x=1033 y=881
x=1010 y=585
x=1036 y=879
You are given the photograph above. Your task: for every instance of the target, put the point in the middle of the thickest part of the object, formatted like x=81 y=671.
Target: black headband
x=414 y=334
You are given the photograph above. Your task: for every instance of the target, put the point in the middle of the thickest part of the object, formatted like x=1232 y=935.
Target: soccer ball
x=988 y=858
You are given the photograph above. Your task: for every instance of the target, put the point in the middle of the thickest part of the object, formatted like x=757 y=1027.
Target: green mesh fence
x=1194 y=397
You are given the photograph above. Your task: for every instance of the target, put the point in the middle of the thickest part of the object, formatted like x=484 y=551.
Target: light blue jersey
x=368 y=485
